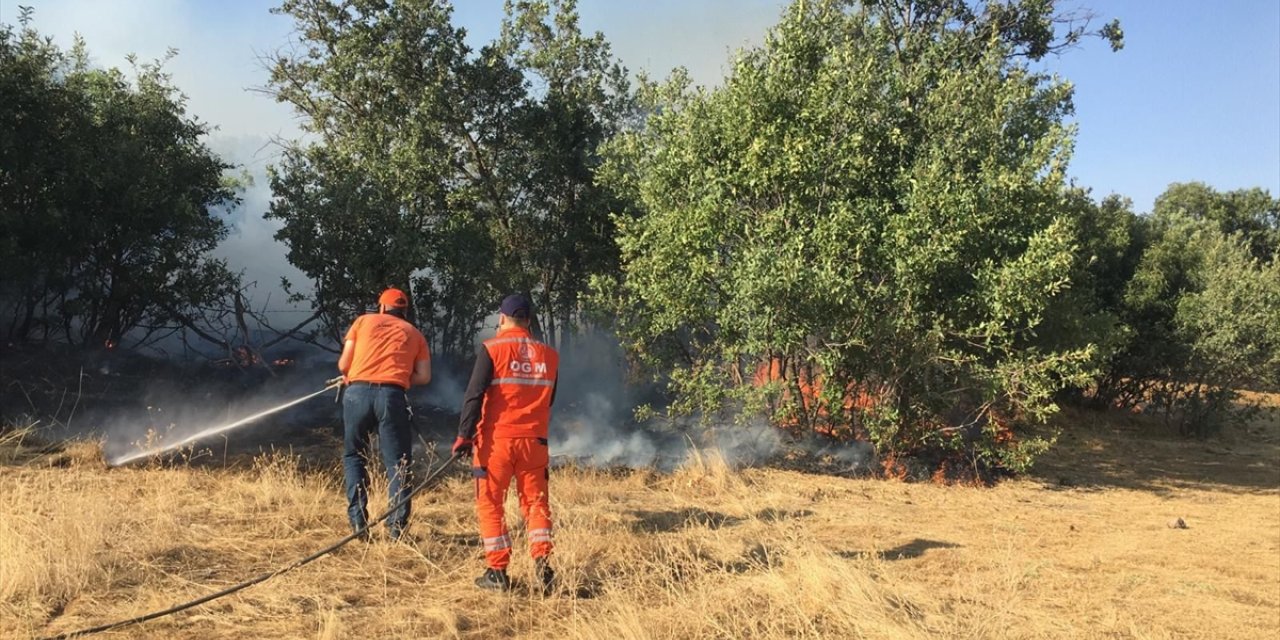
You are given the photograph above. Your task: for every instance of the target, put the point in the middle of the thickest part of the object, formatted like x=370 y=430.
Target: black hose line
x=430 y=480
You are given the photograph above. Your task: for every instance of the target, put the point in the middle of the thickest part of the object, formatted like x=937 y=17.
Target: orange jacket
x=386 y=349
x=514 y=391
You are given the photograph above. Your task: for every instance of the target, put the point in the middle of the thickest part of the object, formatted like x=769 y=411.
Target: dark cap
x=393 y=298
x=516 y=305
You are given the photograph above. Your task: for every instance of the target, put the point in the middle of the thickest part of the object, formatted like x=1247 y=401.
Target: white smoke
x=445 y=391
x=593 y=423
x=854 y=458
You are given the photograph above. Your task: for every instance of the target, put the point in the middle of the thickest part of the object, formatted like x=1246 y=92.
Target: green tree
x=344 y=231
x=564 y=226
x=874 y=199
x=109 y=199
x=387 y=159
x=1230 y=325
x=1197 y=312
x=36 y=130
x=1250 y=214
x=433 y=166
x=1110 y=240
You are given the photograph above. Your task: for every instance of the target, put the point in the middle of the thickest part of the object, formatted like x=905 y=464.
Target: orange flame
x=893 y=468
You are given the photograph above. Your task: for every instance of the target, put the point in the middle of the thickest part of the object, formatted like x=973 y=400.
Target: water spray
x=334 y=383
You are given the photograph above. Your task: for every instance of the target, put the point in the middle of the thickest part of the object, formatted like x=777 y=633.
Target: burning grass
x=1083 y=548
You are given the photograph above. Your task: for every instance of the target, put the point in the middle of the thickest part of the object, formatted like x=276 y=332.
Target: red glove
x=462 y=447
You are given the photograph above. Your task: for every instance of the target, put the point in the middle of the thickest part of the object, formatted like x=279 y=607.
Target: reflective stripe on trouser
x=497 y=462
x=497 y=544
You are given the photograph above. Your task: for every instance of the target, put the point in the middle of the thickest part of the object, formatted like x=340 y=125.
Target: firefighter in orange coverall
x=505 y=413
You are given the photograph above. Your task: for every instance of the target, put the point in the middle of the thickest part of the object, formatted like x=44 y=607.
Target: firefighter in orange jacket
x=505 y=413
x=382 y=355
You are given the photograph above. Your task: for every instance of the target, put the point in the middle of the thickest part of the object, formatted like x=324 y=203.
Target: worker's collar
x=514 y=330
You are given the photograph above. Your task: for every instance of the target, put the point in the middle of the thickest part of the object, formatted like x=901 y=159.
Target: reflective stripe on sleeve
x=508 y=340
x=534 y=382
x=540 y=535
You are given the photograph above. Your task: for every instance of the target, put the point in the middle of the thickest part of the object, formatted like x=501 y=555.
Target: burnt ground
x=120 y=398
x=126 y=399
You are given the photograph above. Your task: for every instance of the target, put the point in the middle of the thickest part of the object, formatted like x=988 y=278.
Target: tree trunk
x=549 y=336
x=566 y=329
x=411 y=314
x=25 y=328
x=107 y=327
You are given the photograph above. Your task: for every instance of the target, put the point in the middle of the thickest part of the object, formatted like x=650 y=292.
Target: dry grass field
x=1082 y=548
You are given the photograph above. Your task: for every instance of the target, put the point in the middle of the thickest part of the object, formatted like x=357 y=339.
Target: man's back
x=386 y=348
x=522 y=385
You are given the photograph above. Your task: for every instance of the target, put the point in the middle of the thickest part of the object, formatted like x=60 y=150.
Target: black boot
x=545 y=575
x=494 y=580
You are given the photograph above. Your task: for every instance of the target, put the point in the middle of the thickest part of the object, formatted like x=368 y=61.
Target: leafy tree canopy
x=1196 y=310
x=871 y=216
x=109 y=198
x=457 y=174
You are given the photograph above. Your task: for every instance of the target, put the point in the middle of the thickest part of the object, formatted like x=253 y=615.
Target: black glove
x=462 y=447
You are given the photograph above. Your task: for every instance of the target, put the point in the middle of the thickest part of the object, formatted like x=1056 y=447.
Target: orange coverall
x=507 y=409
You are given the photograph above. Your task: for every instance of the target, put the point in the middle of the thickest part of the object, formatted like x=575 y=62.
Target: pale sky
x=1195 y=94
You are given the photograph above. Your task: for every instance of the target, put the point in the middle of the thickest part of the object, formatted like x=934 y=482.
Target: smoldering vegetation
x=132 y=403
x=594 y=423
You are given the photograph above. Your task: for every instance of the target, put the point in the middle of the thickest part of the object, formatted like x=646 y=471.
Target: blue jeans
x=365 y=407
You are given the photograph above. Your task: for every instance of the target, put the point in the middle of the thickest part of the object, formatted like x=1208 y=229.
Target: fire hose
x=427 y=482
